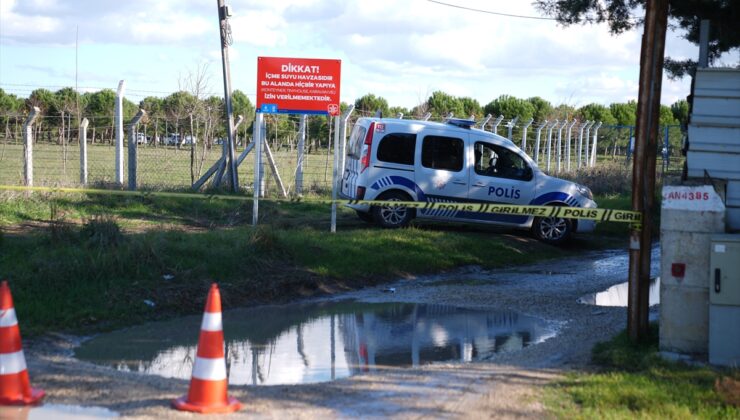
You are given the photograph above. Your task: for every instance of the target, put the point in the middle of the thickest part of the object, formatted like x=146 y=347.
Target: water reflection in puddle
x=55 y=411
x=321 y=342
x=617 y=295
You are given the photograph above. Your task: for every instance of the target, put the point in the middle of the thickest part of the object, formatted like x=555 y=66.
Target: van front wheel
x=392 y=216
x=552 y=230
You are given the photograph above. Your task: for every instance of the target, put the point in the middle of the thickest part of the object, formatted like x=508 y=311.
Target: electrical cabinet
x=724 y=300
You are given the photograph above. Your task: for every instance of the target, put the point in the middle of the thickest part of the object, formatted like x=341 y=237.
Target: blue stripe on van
x=399 y=180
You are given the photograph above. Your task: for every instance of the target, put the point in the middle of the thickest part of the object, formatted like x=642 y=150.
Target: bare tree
x=196 y=82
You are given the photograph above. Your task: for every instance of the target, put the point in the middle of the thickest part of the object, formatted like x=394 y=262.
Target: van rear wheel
x=392 y=216
x=552 y=230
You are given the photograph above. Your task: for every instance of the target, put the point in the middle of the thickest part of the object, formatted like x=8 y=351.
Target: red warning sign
x=298 y=85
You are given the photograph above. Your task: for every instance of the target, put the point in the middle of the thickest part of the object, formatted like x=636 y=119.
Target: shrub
x=605 y=178
x=101 y=231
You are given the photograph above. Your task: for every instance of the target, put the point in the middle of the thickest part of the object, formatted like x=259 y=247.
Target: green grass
x=84 y=263
x=632 y=381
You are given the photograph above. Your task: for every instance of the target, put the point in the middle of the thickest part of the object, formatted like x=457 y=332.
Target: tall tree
x=101 y=106
x=680 y=111
x=441 y=103
x=596 y=112
x=395 y=110
x=370 y=103
x=242 y=105
x=624 y=113
x=510 y=107
x=724 y=15
x=471 y=107
x=542 y=108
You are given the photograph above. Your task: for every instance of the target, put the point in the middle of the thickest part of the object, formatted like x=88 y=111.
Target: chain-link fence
x=168 y=157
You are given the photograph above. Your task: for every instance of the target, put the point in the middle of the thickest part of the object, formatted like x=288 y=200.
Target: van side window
x=438 y=152
x=500 y=162
x=355 y=141
x=397 y=148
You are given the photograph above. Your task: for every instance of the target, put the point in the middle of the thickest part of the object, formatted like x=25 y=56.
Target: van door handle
x=458 y=182
x=479 y=184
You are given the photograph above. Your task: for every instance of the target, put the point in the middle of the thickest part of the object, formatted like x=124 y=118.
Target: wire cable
x=456 y=6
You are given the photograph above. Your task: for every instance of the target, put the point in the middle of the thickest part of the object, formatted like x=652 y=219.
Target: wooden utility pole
x=643 y=170
x=225 y=29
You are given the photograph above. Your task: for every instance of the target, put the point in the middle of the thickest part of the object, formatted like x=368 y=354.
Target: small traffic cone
x=207 y=393
x=15 y=387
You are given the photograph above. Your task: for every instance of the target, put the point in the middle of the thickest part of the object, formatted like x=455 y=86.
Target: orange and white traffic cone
x=208 y=383
x=15 y=386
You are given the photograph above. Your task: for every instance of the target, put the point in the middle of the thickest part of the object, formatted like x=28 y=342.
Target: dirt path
x=507 y=385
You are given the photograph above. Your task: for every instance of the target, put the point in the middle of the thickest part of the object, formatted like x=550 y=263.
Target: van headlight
x=585 y=191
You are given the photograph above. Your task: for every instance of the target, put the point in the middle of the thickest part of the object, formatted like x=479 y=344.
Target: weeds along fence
x=169 y=157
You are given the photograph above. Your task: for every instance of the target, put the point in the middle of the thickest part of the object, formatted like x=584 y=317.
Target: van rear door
x=352 y=166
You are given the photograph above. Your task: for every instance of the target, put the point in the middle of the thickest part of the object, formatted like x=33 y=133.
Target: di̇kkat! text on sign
x=298 y=85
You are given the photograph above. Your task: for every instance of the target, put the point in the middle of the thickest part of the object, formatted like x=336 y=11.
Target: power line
x=456 y=6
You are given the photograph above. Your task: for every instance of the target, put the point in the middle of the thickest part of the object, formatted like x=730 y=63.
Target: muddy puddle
x=55 y=411
x=617 y=295
x=312 y=343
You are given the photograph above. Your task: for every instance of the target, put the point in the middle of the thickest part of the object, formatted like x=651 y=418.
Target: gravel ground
x=504 y=386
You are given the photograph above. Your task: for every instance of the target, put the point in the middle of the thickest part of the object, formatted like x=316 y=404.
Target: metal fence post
x=568 y=143
x=28 y=145
x=485 y=121
x=537 y=144
x=263 y=140
x=496 y=122
x=560 y=144
x=301 y=152
x=119 y=131
x=257 y=164
x=549 y=143
x=580 y=143
x=83 y=151
x=510 y=126
x=524 y=134
x=132 y=149
x=334 y=176
x=587 y=150
x=593 y=146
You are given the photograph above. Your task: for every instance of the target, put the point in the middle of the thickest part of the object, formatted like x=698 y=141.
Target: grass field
x=633 y=381
x=83 y=263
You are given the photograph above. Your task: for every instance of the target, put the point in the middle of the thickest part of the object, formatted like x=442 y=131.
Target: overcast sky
x=402 y=50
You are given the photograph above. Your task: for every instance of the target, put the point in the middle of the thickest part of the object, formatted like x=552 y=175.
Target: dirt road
x=507 y=385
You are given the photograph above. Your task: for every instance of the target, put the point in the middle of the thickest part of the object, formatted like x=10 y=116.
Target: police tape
x=597 y=214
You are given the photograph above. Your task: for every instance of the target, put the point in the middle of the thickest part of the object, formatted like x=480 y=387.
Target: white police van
x=408 y=160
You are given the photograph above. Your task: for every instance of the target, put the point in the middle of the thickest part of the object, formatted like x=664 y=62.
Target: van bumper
x=586 y=225
x=358 y=207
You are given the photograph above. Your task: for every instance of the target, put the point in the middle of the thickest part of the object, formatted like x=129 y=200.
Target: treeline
x=189 y=113
x=440 y=104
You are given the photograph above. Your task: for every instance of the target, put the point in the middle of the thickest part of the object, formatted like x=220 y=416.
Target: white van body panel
x=463 y=183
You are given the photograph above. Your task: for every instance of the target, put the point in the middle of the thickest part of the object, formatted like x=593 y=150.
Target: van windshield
x=355 y=141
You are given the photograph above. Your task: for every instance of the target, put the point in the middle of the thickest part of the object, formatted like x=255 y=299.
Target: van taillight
x=360 y=193
x=367 y=147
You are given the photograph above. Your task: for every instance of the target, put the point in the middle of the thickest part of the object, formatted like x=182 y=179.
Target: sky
x=402 y=50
